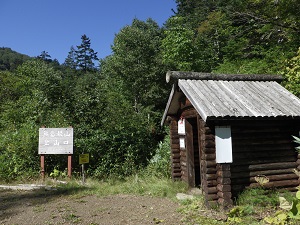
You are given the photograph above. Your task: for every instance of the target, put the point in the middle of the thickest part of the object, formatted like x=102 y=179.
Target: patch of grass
x=258 y=197
x=139 y=185
x=195 y=212
x=72 y=218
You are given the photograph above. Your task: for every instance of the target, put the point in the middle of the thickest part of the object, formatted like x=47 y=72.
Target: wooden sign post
x=83 y=158
x=43 y=166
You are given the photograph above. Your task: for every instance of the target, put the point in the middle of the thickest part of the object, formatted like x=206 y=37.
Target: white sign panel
x=181 y=142
x=56 y=141
x=223 y=145
x=181 y=126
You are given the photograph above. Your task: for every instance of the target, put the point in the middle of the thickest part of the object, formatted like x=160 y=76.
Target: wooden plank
x=209 y=150
x=209 y=144
x=211 y=183
x=176 y=174
x=211 y=176
x=211 y=170
x=210 y=197
x=208 y=157
x=224 y=187
x=175 y=155
x=222 y=180
x=221 y=173
x=212 y=190
x=208 y=164
x=223 y=195
x=175 y=146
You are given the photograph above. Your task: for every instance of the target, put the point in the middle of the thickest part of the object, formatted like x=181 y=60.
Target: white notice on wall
x=223 y=145
x=181 y=126
x=181 y=142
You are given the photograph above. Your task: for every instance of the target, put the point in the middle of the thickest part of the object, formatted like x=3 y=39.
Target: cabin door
x=192 y=152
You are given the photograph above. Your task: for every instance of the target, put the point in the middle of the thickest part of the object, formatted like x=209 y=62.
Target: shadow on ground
x=10 y=199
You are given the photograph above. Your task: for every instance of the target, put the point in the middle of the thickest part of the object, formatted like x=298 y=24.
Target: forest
x=115 y=104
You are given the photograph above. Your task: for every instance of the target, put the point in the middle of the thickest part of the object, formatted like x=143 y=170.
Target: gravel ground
x=50 y=207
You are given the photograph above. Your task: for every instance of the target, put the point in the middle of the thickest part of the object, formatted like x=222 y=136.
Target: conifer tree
x=70 y=60
x=85 y=55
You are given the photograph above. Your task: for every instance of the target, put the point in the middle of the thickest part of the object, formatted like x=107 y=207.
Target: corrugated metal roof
x=222 y=99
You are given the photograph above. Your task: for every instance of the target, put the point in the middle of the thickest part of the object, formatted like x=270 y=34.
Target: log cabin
x=228 y=129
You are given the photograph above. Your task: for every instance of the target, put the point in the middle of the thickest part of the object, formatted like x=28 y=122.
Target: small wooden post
x=69 y=165
x=83 y=173
x=43 y=166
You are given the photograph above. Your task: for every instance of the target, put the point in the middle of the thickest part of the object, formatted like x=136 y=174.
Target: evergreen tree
x=85 y=55
x=45 y=56
x=70 y=60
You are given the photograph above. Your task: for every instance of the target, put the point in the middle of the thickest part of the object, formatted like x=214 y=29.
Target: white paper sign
x=56 y=141
x=181 y=126
x=181 y=142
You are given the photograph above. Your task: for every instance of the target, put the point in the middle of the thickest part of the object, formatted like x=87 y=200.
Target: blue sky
x=33 y=26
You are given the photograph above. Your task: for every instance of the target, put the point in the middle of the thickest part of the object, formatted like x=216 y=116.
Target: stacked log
x=224 y=185
x=175 y=150
x=208 y=163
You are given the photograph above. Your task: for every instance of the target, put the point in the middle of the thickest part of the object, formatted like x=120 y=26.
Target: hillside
x=10 y=59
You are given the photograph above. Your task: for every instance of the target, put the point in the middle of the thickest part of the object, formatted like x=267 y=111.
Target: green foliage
x=289 y=214
x=297 y=140
x=292 y=74
x=56 y=174
x=33 y=101
x=137 y=62
x=10 y=60
x=177 y=46
x=258 y=196
x=160 y=163
x=241 y=36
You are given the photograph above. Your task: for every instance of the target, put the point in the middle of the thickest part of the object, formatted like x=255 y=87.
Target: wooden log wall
x=224 y=184
x=208 y=166
x=175 y=150
x=264 y=147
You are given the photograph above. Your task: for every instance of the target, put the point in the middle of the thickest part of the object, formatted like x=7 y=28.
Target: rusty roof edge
x=174 y=76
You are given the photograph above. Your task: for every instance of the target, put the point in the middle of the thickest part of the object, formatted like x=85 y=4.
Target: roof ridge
x=174 y=76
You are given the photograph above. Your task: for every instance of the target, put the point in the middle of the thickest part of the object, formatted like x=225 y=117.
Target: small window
x=223 y=144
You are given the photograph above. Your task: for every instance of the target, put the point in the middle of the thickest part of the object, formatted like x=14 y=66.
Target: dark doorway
x=192 y=148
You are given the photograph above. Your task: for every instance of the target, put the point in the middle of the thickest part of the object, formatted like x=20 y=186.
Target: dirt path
x=47 y=207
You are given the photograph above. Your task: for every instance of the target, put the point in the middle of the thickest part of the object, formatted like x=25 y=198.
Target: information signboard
x=56 y=141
